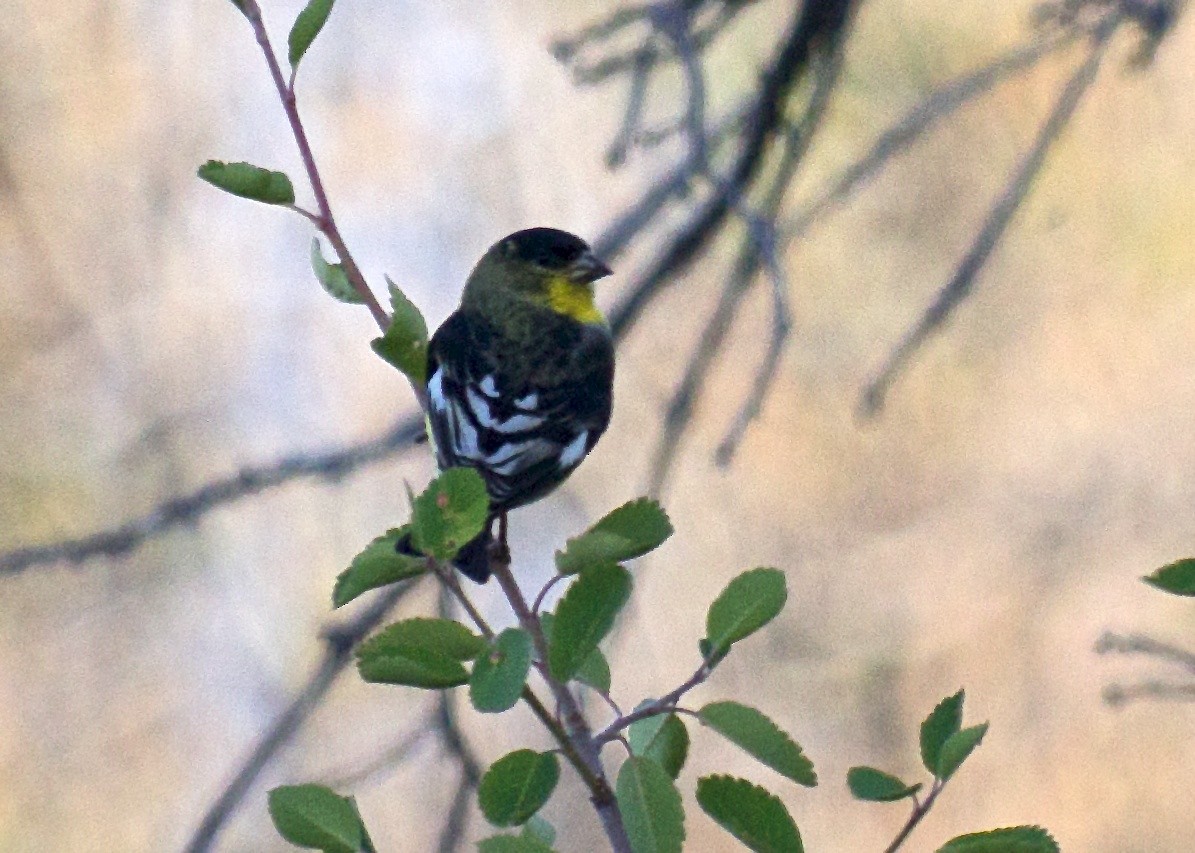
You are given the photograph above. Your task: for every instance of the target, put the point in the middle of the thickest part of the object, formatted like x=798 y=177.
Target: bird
x=520 y=377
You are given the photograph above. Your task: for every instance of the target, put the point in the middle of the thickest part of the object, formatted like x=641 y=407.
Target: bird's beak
x=587 y=269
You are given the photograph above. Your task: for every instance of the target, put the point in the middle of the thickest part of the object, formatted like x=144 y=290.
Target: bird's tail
x=473 y=560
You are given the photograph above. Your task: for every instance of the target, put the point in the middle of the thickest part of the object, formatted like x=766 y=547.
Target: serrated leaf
x=378 y=565
x=249 y=181
x=307 y=26
x=595 y=671
x=500 y=672
x=956 y=749
x=517 y=785
x=512 y=844
x=443 y=636
x=750 y=601
x=662 y=738
x=1177 y=578
x=449 y=512
x=412 y=667
x=1013 y=839
x=539 y=829
x=761 y=738
x=584 y=617
x=751 y=814
x=404 y=344
x=876 y=786
x=315 y=817
x=945 y=719
x=651 y=807
x=630 y=531
x=332 y=277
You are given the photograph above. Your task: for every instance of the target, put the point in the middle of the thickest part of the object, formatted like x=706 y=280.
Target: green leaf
x=876 y=786
x=412 y=666
x=500 y=672
x=315 y=817
x=595 y=671
x=749 y=602
x=333 y=277
x=761 y=738
x=584 y=617
x=630 y=531
x=749 y=813
x=651 y=807
x=539 y=829
x=378 y=565
x=307 y=26
x=449 y=512
x=662 y=738
x=943 y=721
x=517 y=785
x=404 y=345
x=1013 y=839
x=512 y=844
x=442 y=636
x=1177 y=578
x=956 y=749
x=248 y=181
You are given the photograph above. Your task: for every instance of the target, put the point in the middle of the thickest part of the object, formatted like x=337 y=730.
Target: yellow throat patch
x=574 y=300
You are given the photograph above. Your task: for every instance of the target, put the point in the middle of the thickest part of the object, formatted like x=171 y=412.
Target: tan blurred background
x=156 y=334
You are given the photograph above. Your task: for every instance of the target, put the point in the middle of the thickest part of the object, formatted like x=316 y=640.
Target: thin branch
x=666 y=704
x=1160 y=691
x=339 y=643
x=326 y=222
x=1142 y=644
x=352 y=779
x=963 y=280
x=332 y=466
x=920 y=810
x=448 y=727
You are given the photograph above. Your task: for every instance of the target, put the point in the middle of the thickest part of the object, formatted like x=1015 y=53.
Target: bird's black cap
x=547 y=247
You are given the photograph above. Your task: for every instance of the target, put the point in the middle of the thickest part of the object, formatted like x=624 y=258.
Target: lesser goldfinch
x=520 y=376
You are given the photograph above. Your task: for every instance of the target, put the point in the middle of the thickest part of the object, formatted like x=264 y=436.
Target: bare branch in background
x=339 y=643
x=331 y=465
x=963 y=280
x=1143 y=645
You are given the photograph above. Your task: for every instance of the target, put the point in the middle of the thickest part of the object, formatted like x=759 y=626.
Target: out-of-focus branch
x=339 y=642
x=329 y=465
x=1146 y=646
x=962 y=282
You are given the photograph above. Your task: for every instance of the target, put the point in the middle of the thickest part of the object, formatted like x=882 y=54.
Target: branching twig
x=998 y=219
x=666 y=704
x=340 y=641
x=1142 y=644
x=920 y=810
x=330 y=465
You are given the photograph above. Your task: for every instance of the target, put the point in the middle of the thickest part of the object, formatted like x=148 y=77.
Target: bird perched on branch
x=519 y=378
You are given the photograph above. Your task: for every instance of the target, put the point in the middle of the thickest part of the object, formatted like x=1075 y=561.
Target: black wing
x=524 y=414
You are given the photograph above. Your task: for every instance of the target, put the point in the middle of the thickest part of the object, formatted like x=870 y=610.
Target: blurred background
x=983 y=530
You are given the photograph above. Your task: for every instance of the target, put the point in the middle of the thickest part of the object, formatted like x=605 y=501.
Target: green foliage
x=595 y=671
x=517 y=785
x=307 y=26
x=449 y=512
x=749 y=813
x=584 y=617
x=404 y=345
x=943 y=721
x=876 y=786
x=314 y=817
x=750 y=601
x=630 y=531
x=378 y=565
x=1177 y=578
x=501 y=671
x=1013 y=839
x=513 y=844
x=249 y=181
x=651 y=807
x=333 y=277
x=761 y=738
x=419 y=653
x=956 y=749
x=539 y=829
x=663 y=738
